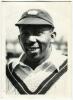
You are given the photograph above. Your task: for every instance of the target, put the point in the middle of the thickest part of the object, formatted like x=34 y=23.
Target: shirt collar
x=56 y=58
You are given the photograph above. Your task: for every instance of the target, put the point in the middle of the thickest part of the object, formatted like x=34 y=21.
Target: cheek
x=45 y=39
x=44 y=42
x=22 y=45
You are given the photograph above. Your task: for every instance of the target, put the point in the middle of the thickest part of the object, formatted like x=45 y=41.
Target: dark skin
x=36 y=43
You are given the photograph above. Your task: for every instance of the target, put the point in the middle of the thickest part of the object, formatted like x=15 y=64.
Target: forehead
x=34 y=27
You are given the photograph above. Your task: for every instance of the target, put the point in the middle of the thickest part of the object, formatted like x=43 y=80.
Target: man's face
x=35 y=40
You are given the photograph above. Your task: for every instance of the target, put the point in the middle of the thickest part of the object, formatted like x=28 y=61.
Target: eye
x=25 y=34
x=39 y=33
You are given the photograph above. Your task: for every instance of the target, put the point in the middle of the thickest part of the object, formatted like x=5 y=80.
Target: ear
x=20 y=41
x=53 y=35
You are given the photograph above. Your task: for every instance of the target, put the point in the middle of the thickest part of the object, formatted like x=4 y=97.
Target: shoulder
x=58 y=59
x=10 y=67
x=13 y=63
x=9 y=72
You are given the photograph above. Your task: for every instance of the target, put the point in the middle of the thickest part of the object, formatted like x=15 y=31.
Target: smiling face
x=36 y=41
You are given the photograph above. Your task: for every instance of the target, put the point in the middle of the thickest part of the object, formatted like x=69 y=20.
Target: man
x=40 y=65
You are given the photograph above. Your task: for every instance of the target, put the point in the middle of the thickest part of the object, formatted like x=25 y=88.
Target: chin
x=33 y=56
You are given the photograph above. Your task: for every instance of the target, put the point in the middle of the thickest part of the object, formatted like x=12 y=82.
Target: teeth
x=33 y=49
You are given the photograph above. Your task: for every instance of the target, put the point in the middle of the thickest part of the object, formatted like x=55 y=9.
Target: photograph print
x=37 y=48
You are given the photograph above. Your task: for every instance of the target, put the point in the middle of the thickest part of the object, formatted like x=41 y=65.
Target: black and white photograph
x=37 y=48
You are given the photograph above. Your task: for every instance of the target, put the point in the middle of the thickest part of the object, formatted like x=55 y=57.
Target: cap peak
x=35 y=17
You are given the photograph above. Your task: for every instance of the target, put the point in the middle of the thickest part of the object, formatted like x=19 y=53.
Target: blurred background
x=60 y=12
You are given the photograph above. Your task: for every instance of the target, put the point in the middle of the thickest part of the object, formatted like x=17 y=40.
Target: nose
x=32 y=39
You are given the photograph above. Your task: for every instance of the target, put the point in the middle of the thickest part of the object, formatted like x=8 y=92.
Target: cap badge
x=33 y=12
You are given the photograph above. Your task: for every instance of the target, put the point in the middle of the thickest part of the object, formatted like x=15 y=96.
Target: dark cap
x=35 y=17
